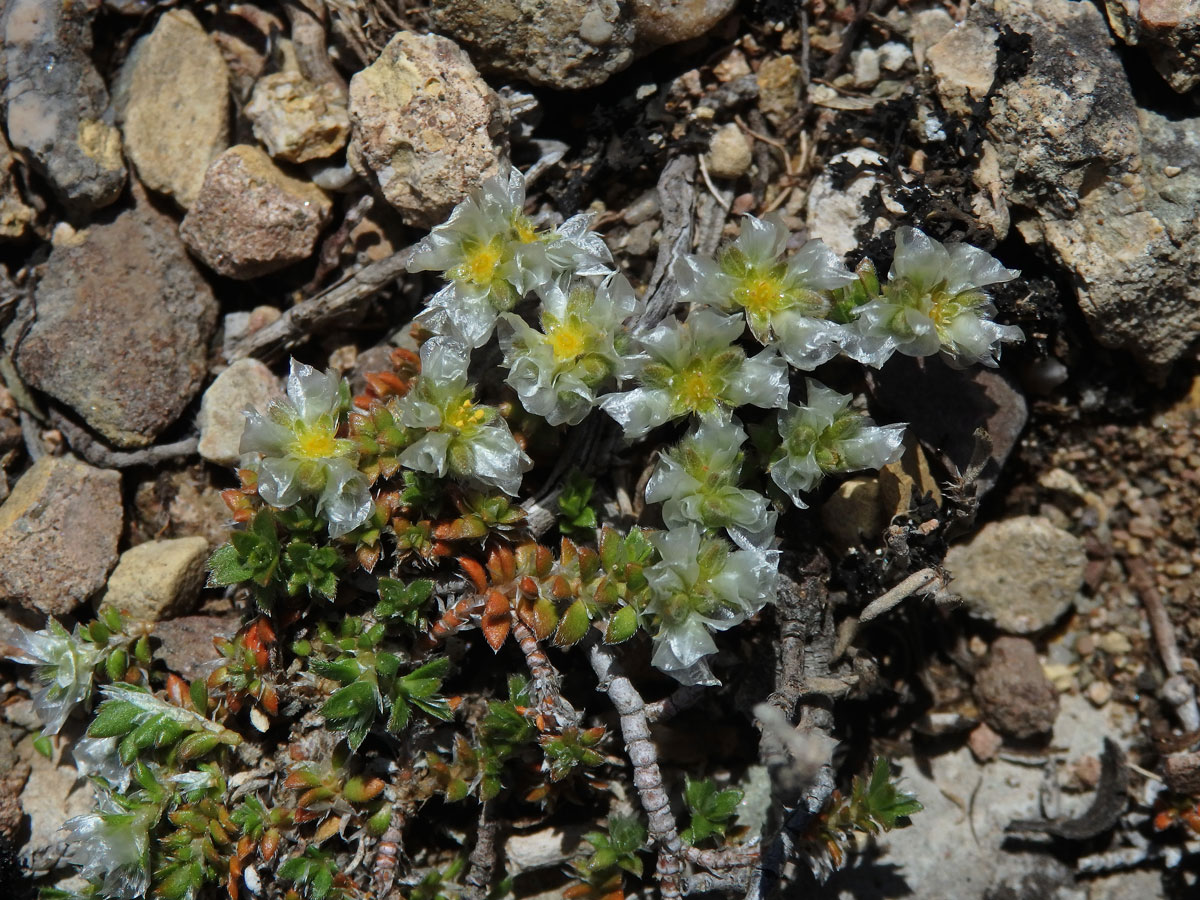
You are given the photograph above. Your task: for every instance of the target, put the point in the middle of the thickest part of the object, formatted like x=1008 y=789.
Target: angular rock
x=566 y=44
x=425 y=126
x=158 y=579
x=1094 y=175
x=779 y=87
x=836 y=208
x=297 y=120
x=58 y=534
x=964 y=64
x=174 y=94
x=944 y=407
x=187 y=642
x=122 y=328
x=1170 y=32
x=53 y=794
x=56 y=104
x=14 y=772
x=657 y=23
x=1015 y=697
x=15 y=216
x=1020 y=573
x=251 y=217
x=247 y=384
x=729 y=153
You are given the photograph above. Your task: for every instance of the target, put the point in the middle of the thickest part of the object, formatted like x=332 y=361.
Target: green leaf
x=350 y=701
x=573 y=626
x=886 y=802
x=226 y=566
x=621 y=626
x=575 y=516
x=115 y=718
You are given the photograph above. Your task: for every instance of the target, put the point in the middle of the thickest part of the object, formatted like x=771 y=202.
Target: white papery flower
x=492 y=255
x=111 y=847
x=934 y=301
x=100 y=757
x=701 y=585
x=696 y=367
x=825 y=437
x=785 y=299
x=296 y=452
x=556 y=371
x=463 y=439
x=65 y=665
x=697 y=483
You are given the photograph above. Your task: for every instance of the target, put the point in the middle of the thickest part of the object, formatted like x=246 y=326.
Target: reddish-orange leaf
x=327 y=829
x=177 y=690
x=269 y=844
x=474 y=572
x=496 y=620
x=270 y=701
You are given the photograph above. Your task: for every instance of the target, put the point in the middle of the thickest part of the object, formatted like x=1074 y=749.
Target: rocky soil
x=191 y=192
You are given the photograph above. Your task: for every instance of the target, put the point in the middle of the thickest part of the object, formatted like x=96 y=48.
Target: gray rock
x=569 y=44
x=1170 y=32
x=425 y=126
x=173 y=91
x=297 y=120
x=58 y=534
x=122 y=328
x=180 y=503
x=1092 y=173
x=53 y=794
x=247 y=384
x=56 y=104
x=158 y=579
x=1014 y=694
x=187 y=642
x=251 y=217
x=1020 y=573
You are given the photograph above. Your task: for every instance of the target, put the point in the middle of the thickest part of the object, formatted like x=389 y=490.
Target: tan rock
x=58 y=534
x=1014 y=695
x=251 y=217
x=297 y=120
x=899 y=481
x=660 y=22
x=729 y=154
x=425 y=126
x=15 y=216
x=1021 y=573
x=964 y=64
x=247 y=384
x=174 y=88
x=779 y=88
x=853 y=513
x=158 y=579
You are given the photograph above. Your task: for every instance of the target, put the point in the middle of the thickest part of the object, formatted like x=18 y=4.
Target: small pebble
x=1115 y=644
x=1099 y=693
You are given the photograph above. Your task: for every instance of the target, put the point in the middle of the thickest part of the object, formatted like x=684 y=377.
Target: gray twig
x=544 y=677
x=684 y=696
x=96 y=453
x=304 y=319
x=676 y=198
x=1177 y=689
x=483 y=855
x=647 y=777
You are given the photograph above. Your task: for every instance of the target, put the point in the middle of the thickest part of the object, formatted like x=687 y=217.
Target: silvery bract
x=696 y=367
x=556 y=371
x=112 y=848
x=701 y=585
x=826 y=436
x=933 y=302
x=697 y=483
x=492 y=255
x=296 y=452
x=465 y=440
x=65 y=663
x=784 y=299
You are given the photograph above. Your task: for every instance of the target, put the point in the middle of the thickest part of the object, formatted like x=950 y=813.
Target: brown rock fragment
x=58 y=534
x=1014 y=695
x=251 y=217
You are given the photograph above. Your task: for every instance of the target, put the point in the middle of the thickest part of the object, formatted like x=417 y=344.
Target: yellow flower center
x=567 y=342
x=524 y=230
x=761 y=294
x=480 y=264
x=697 y=388
x=463 y=415
x=315 y=443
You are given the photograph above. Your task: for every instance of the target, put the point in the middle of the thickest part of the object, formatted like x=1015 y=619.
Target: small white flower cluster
x=65 y=667
x=111 y=847
x=296 y=452
x=811 y=307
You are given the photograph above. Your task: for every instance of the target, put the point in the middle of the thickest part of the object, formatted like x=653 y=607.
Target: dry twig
x=96 y=453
